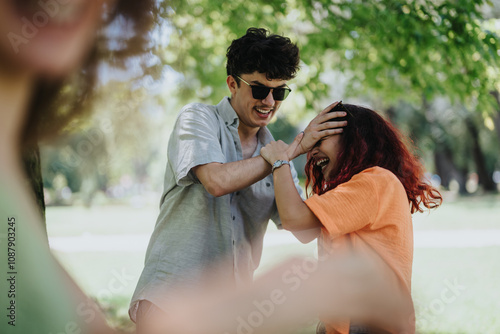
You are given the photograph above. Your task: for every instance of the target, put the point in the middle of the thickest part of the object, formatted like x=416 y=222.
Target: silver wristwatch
x=279 y=163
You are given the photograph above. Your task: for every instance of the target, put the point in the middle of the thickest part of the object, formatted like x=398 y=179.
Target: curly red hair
x=368 y=141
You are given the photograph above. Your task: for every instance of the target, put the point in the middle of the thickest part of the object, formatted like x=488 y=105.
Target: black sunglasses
x=261 y=92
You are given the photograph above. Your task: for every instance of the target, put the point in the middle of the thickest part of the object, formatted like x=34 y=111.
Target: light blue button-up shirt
x=195 y=229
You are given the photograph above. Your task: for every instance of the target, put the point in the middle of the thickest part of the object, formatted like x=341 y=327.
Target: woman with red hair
x=365 y=186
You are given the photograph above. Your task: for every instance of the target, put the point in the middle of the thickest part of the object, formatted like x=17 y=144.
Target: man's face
x=254 y=113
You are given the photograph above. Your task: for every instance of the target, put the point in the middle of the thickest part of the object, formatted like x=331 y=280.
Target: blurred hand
x=320 y=127
x=293 y=292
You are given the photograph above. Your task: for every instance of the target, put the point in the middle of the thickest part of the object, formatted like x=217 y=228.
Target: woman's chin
x=326 y=173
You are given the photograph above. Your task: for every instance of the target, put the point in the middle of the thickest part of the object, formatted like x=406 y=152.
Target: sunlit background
x=431 y=67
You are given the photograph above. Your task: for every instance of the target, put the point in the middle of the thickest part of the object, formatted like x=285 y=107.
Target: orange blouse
x=369 y=212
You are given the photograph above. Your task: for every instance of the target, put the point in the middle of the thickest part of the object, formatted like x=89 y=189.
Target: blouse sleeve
x=349 y=207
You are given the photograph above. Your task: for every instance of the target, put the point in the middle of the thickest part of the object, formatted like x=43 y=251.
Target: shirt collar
x=227 y=112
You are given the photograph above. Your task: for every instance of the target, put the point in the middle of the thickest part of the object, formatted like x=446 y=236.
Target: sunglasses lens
x=260 y=93
x=279 y=94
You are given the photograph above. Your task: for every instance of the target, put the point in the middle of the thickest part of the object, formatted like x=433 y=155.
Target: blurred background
x=431 y=67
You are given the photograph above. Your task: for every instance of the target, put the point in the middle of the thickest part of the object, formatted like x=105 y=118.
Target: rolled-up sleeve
x=194 y=141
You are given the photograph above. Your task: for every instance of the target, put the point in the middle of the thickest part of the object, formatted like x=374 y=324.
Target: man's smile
x=264 y=111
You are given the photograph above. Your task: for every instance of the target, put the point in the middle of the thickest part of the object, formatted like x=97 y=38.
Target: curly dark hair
x=367 y=141
x=260 y=51
x=56 y=104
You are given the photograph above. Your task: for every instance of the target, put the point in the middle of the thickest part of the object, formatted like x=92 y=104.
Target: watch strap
x=279 y=163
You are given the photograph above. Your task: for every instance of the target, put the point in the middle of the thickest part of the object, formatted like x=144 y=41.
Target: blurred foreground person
x=45 y=46
x=365 y=185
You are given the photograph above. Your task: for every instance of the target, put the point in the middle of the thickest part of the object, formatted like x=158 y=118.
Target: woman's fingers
x=331 y=125
x=324 y=124
x=331 y=115
x=330 y=107
x=331 y=132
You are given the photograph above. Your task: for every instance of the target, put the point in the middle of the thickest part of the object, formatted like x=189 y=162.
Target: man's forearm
x=222 y=179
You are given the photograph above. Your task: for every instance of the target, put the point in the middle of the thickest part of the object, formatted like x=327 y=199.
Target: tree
x=390 y=52
x=399 y=50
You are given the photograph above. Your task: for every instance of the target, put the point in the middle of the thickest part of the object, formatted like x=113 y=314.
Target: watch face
x=279 y=163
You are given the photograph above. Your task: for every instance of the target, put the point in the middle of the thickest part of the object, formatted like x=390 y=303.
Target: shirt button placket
x=233 y=217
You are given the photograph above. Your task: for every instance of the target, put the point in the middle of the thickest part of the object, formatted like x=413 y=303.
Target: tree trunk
x=496 y=121
x=32 y=167
x=391 y=114
x=496 y=118
x=485 y=178
x=447 y=170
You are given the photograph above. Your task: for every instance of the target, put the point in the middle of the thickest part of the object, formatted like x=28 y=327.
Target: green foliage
x=122 y=139
x=399 y=55
x=200 y=32
x=402 y=57
x=398 y=50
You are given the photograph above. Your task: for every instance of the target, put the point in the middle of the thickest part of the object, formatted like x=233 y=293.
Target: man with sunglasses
x=218 y=191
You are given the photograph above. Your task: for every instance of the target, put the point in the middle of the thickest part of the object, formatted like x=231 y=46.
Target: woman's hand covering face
x=320 y=127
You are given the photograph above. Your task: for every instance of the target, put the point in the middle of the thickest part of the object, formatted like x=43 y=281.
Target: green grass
x=472 y=306
x=106 y=220
x=463 y=213
x=111 y=276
